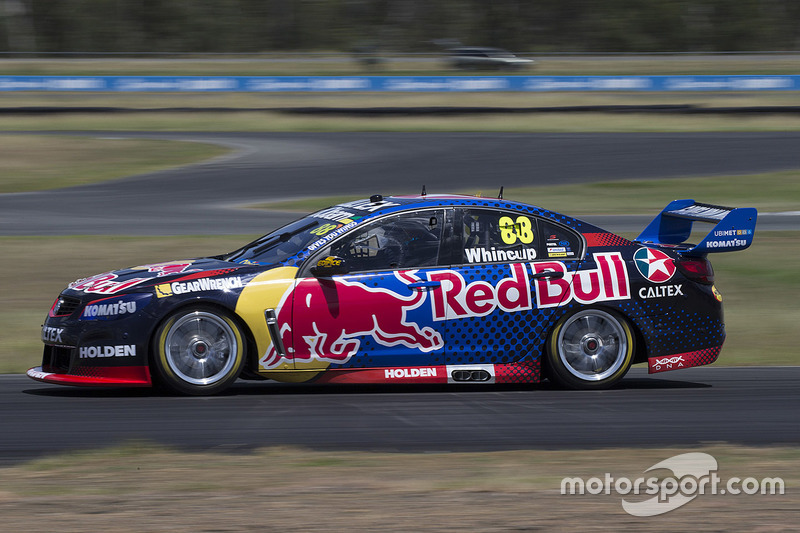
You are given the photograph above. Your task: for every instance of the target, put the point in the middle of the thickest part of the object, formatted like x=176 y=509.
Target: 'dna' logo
x=655 y=265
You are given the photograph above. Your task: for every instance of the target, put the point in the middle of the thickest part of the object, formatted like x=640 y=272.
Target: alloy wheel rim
x=592 y=345
x=201 y=348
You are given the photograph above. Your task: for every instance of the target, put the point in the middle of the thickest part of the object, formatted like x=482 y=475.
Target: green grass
x=377 y=99
x=769 y=192
x=279 y=122
x=760 y=287
x=34 y=163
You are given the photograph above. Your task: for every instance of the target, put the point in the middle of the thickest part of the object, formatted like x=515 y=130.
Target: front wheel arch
x=590 y=348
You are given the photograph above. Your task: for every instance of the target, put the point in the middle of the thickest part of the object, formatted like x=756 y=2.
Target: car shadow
x=656 y=383
x=57 y=391
x=267 y=388
x=263 y=388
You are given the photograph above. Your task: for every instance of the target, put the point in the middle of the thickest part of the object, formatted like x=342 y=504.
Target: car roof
x=379 y=205
x=413 y=201
x=362 y=211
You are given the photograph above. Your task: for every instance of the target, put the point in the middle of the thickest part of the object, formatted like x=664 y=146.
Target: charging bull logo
x=324 y=319
x=104 y=284
x=330 y=315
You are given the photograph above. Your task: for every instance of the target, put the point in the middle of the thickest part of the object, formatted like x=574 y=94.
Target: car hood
x=142 y=276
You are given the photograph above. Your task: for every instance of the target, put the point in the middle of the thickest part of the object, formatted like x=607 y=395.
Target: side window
x=559 y=242
x=408 y=240
x=490 y=236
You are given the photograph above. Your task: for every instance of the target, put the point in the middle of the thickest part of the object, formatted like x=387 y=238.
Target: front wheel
x=198 y=351
x=590 y=349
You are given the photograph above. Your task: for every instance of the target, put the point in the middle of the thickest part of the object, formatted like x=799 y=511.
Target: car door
x=377 y=314
x=501 y=296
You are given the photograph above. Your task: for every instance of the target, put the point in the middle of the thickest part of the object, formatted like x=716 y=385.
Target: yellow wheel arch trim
x=160 y=352
x=626 y=327
x=266 y=291
x=272 y=290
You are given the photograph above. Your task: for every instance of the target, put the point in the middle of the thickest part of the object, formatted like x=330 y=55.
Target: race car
x=407 y=289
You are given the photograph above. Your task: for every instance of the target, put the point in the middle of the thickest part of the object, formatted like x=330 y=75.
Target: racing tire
x=198 y=351
x=590 y=349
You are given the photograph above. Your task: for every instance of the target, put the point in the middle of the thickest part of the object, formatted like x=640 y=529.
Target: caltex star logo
x=655 y=265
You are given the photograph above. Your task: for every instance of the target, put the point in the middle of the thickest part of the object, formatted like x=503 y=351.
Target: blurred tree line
x=398 y=25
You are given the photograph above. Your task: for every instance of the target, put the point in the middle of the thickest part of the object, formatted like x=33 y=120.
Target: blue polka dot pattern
x=688 y=323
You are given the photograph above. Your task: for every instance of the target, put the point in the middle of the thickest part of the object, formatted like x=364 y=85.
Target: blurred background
x=237 y=26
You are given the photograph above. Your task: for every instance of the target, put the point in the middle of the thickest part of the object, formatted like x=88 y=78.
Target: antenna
x=423 y=191
x=500 y=196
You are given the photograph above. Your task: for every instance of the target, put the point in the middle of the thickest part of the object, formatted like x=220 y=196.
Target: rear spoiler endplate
x=733 y=227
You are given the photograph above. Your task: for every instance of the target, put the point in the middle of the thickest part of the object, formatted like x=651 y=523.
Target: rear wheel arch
x=641 y=349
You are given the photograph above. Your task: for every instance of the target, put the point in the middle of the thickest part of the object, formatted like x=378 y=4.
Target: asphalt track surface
x=207 y=198
x=750 y=406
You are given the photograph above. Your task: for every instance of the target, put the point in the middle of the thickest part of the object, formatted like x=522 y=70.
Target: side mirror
x=329 y=266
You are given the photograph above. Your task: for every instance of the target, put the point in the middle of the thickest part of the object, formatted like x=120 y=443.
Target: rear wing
x=733 y=227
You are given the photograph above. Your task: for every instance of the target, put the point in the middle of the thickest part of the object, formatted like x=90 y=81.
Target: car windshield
x=285 y=242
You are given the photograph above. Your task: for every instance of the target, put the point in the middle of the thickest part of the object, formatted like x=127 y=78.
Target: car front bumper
x=123 y=376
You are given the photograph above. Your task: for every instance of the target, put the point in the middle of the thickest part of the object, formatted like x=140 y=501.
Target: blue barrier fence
x=396 y=83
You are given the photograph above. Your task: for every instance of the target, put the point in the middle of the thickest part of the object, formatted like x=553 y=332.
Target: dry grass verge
x=38 y=162
x=279 y=122
x=142 y=488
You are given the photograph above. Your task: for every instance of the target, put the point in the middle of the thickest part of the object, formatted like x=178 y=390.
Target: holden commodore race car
x=407 y=289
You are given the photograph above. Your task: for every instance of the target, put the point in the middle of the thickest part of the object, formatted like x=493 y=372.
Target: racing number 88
x=511 y=231
x=325 y=228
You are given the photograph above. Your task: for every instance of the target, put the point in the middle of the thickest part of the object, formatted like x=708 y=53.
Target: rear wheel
x=590 y=349
x=198 y=351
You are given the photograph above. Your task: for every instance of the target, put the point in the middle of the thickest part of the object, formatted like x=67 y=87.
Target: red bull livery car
x=407 y=289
